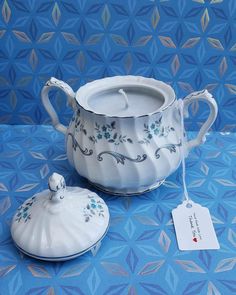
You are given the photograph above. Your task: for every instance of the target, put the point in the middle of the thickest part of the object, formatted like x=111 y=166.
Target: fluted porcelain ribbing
x=60 y=223
x=126 y=154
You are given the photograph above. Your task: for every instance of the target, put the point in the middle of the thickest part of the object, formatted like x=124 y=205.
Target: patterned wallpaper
x=189 y=44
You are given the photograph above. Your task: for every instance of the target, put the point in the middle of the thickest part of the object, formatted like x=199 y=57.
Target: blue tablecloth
x=139 y=255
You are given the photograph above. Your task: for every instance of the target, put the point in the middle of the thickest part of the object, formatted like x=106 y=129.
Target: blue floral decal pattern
x=108 y=132
x=103 y=132
x=155 y=129
x=23 y=211
x=93 y=208
x=78 y=125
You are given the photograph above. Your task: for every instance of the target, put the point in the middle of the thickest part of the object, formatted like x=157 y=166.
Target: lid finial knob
x=57 y=186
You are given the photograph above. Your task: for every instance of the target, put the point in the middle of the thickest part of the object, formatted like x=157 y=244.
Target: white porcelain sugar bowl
x=125 y=134
x=60 y=223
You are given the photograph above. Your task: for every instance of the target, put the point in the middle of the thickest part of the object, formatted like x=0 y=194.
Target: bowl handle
x=204 y=96
x=53 y=82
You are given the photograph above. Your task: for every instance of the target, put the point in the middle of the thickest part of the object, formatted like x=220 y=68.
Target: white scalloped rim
x=91 y=88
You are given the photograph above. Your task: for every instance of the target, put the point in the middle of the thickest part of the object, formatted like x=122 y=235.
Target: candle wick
x=121 y=91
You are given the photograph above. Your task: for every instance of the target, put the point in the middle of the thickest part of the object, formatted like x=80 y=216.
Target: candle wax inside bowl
x=126 y=101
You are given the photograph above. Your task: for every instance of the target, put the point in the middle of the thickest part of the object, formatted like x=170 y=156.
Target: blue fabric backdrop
x=189 y=44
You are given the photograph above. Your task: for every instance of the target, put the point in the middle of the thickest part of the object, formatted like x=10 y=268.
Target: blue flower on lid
x=107 y=135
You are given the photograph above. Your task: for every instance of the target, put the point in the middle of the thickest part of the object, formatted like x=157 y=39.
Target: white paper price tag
x=193 y=227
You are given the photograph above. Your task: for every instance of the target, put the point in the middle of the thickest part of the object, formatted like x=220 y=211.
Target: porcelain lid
x=61 y=222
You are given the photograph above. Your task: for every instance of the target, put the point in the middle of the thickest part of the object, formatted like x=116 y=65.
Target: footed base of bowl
x=125 y=192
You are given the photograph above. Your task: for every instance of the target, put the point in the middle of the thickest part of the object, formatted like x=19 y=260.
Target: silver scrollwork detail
x=170 y=146
x=76 y=145
x=121 y=158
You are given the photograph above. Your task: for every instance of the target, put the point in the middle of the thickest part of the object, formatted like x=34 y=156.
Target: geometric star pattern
x=188 y=44
x=139 y=254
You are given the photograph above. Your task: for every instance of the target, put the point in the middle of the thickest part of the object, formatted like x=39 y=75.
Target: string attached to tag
x=193 y=225
x=182 y=132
